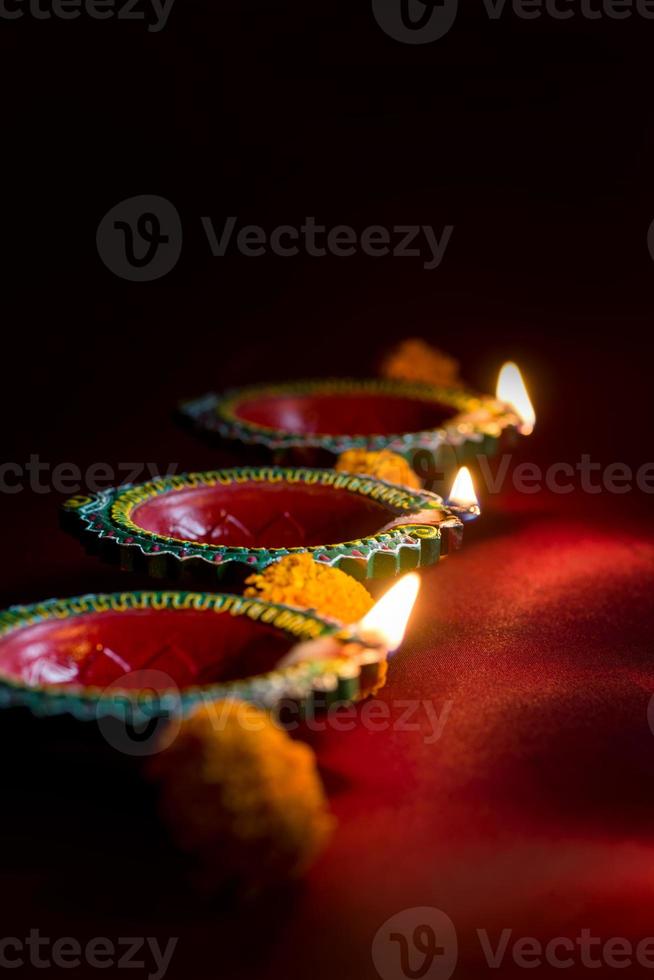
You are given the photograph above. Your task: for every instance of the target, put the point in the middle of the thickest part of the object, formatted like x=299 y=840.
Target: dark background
x=533 y=138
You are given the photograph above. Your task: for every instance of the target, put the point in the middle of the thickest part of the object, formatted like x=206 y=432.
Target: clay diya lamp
x=159 y=653
x=315 y=421
x=233 y=522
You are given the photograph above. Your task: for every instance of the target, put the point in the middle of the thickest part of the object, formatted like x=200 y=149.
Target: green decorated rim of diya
x=474 y=417
x=319 y=681
x=413 y=528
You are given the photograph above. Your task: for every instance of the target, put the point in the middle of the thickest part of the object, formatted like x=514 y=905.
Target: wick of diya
x=462 y=499
x=369 y=641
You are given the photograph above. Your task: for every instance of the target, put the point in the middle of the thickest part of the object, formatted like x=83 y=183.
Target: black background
x=532 y=138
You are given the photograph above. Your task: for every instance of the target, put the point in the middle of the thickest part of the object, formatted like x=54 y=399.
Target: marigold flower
x=416 y=360
x=384 y=464
x=297 y=580
x=241 y=797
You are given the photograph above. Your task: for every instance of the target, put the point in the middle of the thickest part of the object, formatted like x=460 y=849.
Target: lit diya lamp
x=233 y=522
x=462 y=499
x=377 y=635
x=314 y=421
x=162 y=653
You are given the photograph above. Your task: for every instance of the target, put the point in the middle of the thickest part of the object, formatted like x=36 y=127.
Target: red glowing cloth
x=535 y=808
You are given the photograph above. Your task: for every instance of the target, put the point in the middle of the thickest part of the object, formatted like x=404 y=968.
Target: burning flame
x=388 y=619
x=511 y=389
x=463 y=493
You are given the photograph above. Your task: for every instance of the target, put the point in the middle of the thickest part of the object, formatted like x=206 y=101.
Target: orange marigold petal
x=385 y=465
x=297 y=580
x=416 y=360
x=241 y=797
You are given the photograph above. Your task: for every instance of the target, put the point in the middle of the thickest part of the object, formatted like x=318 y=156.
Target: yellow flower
x=297 y=580
x=416 y=360
x=241 y=797
x=384 y=464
